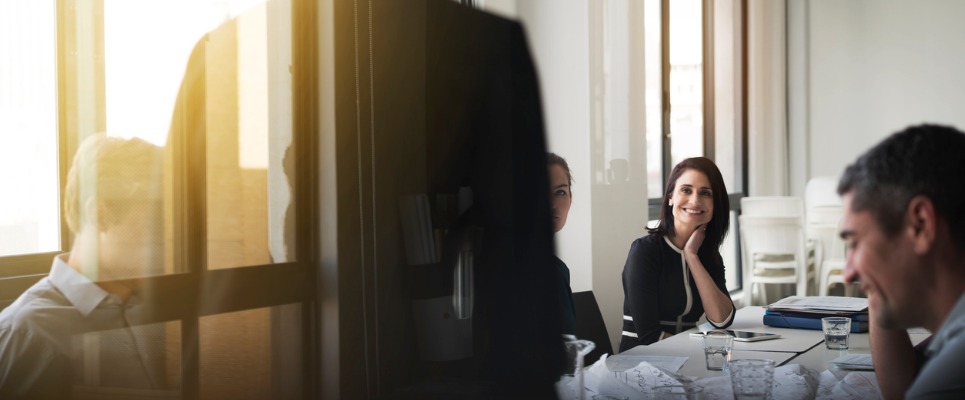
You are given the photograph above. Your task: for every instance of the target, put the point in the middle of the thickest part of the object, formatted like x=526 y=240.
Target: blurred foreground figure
x=113 y=204
x=904 y=226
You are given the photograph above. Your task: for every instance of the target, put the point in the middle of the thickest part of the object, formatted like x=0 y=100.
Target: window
x=701 y=109
x=667 y=84
x=214 y=83
x=30 y=228
x=695 y=99
x=29 y=223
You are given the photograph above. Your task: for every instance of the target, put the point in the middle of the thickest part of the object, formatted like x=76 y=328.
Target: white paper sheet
x=860 y=362
x=622 y=362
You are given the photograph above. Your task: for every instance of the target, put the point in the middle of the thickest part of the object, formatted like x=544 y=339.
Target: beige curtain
x=766 y=102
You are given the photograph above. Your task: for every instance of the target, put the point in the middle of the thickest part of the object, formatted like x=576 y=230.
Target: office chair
x=590 y=326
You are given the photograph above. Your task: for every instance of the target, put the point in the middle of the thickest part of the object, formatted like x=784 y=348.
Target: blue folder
x=806 y=320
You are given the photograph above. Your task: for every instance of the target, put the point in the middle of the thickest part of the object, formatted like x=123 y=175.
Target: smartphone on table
x=746 y=336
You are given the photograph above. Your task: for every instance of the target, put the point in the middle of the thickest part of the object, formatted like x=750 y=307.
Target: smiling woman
x=674 y=276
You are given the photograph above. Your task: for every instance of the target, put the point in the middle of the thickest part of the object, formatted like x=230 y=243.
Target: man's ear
x=96 y=214
x=88 y=214
x=921 y=223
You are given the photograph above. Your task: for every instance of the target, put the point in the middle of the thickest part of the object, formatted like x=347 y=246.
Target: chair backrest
x=822 y=191
x=772 y=236
x=591 y=326
x=822 y=228
x=772 y=206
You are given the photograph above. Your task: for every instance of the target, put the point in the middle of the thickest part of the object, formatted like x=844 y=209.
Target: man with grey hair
x=904 y=227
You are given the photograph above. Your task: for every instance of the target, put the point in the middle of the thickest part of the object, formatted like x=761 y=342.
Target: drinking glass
x=576 y=350
x=836 y=332
x=752 y=379
x=677 y=392
x=717 y=347
x=609 y=397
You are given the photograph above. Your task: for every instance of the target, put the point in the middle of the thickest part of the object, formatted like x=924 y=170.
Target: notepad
x=821 y=304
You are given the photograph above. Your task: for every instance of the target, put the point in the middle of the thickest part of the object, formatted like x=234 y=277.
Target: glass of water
x=678 y=392
x=752 y=379
x=836 y=332
x=717 y=347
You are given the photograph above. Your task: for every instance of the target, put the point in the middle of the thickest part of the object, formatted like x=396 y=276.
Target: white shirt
x=44 y=329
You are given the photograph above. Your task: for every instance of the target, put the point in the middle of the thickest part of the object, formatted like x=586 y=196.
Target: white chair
x=823 y=224
x=772 y=206
x=824 y=215
x=774 y=247
x=832 y=270
x=821 y=191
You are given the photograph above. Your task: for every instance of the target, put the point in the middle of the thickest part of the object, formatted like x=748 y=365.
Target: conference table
x=795 y=346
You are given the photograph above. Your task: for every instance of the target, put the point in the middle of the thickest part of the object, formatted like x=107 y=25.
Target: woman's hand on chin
x=696 y=239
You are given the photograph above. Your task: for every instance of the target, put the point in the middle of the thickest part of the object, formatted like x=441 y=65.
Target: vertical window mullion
x=81 y=81
x=188 y=150
x=306 y=130
x=665 y=89
x=707 y=13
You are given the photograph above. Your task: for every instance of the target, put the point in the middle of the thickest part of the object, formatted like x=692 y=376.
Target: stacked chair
x=774 y=245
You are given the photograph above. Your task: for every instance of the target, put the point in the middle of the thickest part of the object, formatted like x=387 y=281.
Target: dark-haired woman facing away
x=561 y=198
x=675 y=274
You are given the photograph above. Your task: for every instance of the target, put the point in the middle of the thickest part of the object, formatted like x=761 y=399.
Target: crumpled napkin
x=637 y=382
x=852 y=385
x=791 y=382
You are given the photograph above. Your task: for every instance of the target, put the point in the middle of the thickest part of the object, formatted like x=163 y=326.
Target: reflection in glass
x=253 y=354
x=135 y=361
x=223 y=75
x=145 y=59
x=72 y=69
x=247 y=103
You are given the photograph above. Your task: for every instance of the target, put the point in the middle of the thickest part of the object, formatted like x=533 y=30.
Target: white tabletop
x=791 y=340
x=820 y=357
x=694 y=351
x=795 y=346
x=791 y=343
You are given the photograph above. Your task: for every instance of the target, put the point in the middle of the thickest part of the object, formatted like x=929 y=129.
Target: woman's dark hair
x=719 y=223
x=553 y=159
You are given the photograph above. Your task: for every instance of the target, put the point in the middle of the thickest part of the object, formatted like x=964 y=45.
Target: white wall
x=604 y=218
x=873 y=67
x=558 y=39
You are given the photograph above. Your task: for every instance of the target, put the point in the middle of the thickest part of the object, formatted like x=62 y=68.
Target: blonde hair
x=119 y=173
